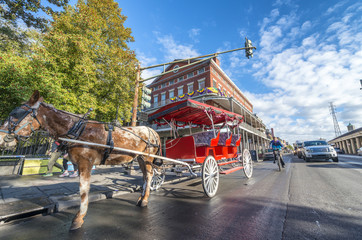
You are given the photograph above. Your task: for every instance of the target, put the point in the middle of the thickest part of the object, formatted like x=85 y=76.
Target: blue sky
x=309 y=53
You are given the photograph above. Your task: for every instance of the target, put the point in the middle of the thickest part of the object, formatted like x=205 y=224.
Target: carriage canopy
x=195 y=112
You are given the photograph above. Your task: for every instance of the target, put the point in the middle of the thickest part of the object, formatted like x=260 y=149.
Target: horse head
x=22 y=122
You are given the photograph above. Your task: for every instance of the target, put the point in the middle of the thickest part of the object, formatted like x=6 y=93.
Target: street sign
x=142 y=116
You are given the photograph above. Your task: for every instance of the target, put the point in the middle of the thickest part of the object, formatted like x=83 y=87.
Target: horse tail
x=156 y=161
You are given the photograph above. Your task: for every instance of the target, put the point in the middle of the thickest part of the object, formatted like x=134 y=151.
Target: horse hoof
x=142 y=203
x=76 y=225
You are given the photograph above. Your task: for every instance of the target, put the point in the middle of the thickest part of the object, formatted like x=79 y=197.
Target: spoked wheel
x=247 y=163
x=157 y=179
x=210 y=176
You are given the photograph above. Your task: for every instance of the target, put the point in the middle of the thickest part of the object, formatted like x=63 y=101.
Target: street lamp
x=248 y=53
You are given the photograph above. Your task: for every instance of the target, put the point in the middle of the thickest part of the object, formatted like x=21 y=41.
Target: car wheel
x=335 y=159
x=307 y=159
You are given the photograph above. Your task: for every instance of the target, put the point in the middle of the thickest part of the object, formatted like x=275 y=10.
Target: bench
x=234 y=140
x=203 y=139
x=223 y=137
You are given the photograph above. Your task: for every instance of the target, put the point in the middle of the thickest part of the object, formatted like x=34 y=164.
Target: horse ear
x=34 y=98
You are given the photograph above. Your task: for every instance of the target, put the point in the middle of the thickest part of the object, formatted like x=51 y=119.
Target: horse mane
x=51 y=107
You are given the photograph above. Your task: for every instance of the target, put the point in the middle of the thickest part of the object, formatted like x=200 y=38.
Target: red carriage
x=216 y=151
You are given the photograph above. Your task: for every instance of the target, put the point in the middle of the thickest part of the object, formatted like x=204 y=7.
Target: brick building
x=195 y=81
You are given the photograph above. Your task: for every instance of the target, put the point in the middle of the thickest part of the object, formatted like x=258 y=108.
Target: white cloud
x=308 y=70
x=336 y=6
x=194 y=33
x=174 y=50
x=145 y=62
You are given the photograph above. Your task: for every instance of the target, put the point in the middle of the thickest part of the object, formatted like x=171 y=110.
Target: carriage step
x=226 y=163
x=231 y=170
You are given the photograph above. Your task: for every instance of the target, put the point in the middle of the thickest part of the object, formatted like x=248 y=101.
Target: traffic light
x=146 y=97
x=248 y=48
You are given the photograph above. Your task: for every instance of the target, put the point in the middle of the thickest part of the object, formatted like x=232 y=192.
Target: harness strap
x=77 y=129
x=110 y=142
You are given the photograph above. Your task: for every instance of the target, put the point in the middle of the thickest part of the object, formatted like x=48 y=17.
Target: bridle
x=20 y=113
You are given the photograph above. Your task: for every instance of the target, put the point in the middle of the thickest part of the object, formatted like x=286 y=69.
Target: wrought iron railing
x=36 y=145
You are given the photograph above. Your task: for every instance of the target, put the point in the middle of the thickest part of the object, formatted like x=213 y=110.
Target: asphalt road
x=315 y=200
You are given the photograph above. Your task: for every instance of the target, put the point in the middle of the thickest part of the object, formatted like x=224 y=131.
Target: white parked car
x=320 y=150
x=359 y=151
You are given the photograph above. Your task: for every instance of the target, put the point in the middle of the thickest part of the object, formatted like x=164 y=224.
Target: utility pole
x=335 y=122
x=135 y=102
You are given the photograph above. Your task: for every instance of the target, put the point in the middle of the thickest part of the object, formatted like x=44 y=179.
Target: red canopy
x=194 y=112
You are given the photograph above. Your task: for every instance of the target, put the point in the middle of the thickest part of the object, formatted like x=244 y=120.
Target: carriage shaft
x=130 y=151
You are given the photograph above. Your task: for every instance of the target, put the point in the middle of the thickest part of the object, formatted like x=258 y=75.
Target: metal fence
x=36 y=145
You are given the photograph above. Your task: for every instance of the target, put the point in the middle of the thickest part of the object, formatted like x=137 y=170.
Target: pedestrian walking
x=65 y=166
x=55 y=154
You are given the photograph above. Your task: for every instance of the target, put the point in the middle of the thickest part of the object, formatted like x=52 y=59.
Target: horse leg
x=147 y=171
x=84 y=169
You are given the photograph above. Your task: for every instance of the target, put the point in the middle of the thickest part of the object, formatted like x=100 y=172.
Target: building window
x=180 y=90
x=163 y=85
x=171 y=94
x=180 y=79
x=155 y=100
x=172 y=82
x=190 y=75
x=190 y=87
x=201 y=70
x=214 y=83
x=201 y=84
x=163 y=98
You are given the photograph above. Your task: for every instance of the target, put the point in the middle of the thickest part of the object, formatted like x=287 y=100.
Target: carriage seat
x=203 y=138
x=234 y=139
x=223 y=137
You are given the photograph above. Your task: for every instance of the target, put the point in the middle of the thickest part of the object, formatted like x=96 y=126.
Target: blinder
x=20 y=113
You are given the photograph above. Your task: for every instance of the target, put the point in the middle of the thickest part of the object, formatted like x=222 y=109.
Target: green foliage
x=19 y=76
x=82 y=61
x=86 y=47
x=26 y=10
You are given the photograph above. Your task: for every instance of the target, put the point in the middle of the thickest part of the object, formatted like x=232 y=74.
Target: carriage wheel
x=247 y=163
x=157 y=179
x=210 y=176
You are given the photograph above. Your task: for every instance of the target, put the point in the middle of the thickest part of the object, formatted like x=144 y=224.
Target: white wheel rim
x=157 y=180
x=210 y=176
x=247 y=163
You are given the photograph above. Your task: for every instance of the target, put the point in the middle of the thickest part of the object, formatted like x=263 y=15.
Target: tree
x=20 y=75
x=86 y=49
x=27 y=10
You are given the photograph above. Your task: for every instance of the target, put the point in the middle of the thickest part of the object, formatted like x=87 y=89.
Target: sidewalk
x=21 y=195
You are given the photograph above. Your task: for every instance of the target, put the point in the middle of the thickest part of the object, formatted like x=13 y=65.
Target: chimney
x=216 y=60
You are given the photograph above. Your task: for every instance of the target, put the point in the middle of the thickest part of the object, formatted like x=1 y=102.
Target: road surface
x=314 y=200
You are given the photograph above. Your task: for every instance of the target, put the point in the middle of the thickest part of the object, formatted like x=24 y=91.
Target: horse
x=35 y=114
